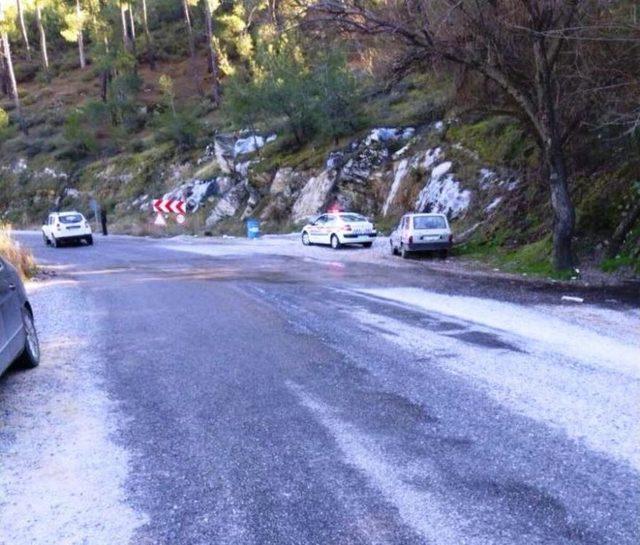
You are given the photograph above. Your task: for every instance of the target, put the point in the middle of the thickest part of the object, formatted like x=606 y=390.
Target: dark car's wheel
x=335 y=242
x=306 y=241
x=30 y=356
x=367 y=244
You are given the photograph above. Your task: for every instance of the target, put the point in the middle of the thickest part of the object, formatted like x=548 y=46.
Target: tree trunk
x=563 y=211
x=123 y=23
x=213 y=56
x=187 y=20
x=192 y=47
x=23 y=29
x=83 y=62
x=623 y=229
x=274 y=13
x=133 y=28
x=43 y=39
x=13 y=86
x=147 y=35
x=104 y=85
x=553 y=153
x=4 y=75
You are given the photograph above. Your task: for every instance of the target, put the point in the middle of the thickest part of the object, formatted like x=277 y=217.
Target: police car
x=339 y=229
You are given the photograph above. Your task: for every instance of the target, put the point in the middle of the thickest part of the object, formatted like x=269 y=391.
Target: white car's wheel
x=306 y=241
x=335 y=242
x=392 y=248
x=54 y=242
x=46 y=241
x=404 y=252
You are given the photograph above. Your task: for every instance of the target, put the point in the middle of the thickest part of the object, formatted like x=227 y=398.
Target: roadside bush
x=77 y=135
x=183 y=128
x=19 y=257
x=5 y=125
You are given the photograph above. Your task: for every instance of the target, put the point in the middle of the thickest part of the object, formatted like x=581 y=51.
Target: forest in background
x=548 y=87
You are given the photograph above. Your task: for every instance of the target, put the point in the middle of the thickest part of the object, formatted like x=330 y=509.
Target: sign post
x=96 y=212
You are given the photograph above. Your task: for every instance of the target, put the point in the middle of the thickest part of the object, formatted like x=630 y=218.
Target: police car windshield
x=352 y=217
x=70 y=218
x=429 y=222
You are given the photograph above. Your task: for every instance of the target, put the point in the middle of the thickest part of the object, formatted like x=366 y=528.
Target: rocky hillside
x=467 y=171
x=361 y=124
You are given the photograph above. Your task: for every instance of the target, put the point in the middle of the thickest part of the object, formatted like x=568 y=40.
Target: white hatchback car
x=339 y=229
x=421 y=233
x=66 y=227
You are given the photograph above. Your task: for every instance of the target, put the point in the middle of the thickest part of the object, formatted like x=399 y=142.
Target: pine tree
x=23 y=29
x=209 y=8
x=5 y=27
x=44 y=53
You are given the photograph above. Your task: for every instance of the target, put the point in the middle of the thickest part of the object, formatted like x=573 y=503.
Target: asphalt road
x=315 y=398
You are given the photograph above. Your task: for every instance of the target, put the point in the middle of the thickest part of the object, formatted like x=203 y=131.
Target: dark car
x=18 y=337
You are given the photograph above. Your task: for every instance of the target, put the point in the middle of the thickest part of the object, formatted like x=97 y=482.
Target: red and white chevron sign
x=169 y=206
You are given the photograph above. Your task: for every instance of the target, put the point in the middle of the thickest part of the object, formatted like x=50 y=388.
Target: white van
x=421 y=233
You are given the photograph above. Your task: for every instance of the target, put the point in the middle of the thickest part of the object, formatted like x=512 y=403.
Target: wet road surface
x=322 y=398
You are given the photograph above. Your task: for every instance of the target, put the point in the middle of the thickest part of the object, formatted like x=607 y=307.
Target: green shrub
x=183 y=128
x=498 y=140
x=7 y=129
x=317 y=96
x=78 y=136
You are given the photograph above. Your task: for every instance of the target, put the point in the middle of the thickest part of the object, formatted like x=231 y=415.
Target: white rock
x=281 y=180
x=228 y=205
x=443 y=193
x=572 y=299
x=251 y=143
x=399 y=173
x=494 y=204
x=441 y=169
x=313 y=195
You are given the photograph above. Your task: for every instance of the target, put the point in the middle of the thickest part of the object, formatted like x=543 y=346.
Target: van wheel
x=335 y=242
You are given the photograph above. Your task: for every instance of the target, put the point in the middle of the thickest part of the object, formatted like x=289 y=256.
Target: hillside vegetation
x=524 y=116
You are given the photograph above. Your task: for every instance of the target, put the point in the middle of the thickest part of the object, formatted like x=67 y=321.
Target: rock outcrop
x=385 y=173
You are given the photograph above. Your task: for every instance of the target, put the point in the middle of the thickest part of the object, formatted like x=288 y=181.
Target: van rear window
x=429 y=222
x=70 y=218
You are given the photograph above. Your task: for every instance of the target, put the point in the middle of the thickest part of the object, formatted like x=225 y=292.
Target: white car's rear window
x=70 y=218
x=429 y=222
x=352 y=217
